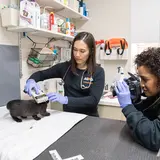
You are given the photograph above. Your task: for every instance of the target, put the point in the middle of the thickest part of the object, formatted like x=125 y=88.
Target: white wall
x=145 y=26
x=145 y=21
x=109 y=19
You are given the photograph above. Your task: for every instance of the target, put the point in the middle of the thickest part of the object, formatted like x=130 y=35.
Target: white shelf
x=41 y=33
x=115 y=59
x=62 y=9
x=114 y=56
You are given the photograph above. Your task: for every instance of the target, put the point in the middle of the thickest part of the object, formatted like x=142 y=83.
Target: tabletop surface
x=99 y=139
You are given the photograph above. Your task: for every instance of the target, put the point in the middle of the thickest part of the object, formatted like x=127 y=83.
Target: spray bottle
x=121 y=74
x=44 y=18
x=119 y=77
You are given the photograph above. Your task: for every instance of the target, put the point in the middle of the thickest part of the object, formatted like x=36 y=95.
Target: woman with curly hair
x=143 y=118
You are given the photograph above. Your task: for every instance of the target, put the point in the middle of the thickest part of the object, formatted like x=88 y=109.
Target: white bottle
x=117 y=77
x=44 y=20
x=121 y=74
x=32 y=8
x=37 y=15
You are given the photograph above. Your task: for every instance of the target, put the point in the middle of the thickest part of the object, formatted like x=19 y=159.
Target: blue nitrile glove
x=123 y=94
x=31 y=84
x=55 y=97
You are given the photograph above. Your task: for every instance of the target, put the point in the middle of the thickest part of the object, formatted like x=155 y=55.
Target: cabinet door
x=110 y=112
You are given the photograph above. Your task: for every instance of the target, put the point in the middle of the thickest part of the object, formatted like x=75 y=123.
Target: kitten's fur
x=24 y=108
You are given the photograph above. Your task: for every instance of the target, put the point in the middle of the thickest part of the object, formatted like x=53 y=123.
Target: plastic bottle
x=32 y=8
x=81 y=7
x=66 y=2
x=68 y=26
x=37 y=14
x=121 y=74
x=119 y=77
x=44 y=21
x=51 y=20
x=84 y=9
x=87 y=12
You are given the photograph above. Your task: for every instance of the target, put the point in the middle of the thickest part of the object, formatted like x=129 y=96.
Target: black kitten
x=24 y=108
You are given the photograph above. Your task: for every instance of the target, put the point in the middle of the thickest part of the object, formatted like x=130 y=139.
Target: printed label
x=54 y=154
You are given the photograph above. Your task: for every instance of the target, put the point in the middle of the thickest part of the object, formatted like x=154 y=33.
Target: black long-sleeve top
x=143 y=120
x=79 y=100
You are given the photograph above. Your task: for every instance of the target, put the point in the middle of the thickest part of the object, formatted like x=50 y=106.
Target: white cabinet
x=111 y=112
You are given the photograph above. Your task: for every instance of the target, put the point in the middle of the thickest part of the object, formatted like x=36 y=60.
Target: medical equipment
x=82 y=85
x=39 y=98
x=61 y=82
x=115 y=43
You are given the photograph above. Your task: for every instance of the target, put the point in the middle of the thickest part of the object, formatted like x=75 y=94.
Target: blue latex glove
x=31 y=84
x=123 y=94
x=55 y=97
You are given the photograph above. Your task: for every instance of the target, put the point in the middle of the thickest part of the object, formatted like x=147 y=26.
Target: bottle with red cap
x=51 y=20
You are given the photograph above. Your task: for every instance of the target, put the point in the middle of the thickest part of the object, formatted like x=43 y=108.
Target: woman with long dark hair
x=83 y=80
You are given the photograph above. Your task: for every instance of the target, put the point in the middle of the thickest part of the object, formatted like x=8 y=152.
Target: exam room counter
x=99 y=139
x=107 y=108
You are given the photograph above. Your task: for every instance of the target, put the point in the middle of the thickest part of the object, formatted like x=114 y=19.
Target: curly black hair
x=151 y=59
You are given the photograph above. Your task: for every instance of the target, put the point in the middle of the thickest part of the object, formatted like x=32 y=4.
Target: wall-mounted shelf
x=114 y=56
x=41 y=33
x=114 y=59
x=63 y=10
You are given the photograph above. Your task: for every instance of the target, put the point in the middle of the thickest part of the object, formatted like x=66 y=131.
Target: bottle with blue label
x=68 y=26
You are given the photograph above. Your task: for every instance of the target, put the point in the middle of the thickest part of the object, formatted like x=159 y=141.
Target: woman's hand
x=123 y=94
x=31 y=84
x=55 y=97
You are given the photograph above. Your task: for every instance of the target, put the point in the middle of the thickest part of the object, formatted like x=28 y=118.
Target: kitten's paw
x=46 y=114
x=17 y=119
x=36 y=117
x=24 y=117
